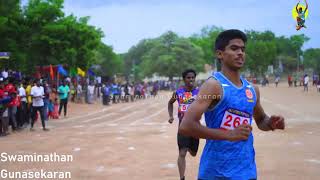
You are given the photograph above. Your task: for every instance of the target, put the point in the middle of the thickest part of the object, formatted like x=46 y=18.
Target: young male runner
x=185 y=96
x=229 y=152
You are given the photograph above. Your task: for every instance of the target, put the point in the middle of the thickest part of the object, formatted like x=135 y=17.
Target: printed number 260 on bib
x=231 y=121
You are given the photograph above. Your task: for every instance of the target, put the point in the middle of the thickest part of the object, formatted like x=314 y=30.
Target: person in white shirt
x=37 y=94
x=122 y=93
x=131 y=92
x=98 y=79
x=5 y=73
x=305 y=83
x=277 y=80
x=68 y=80
x=23 y=107
x=90 y=93
x=79 y=93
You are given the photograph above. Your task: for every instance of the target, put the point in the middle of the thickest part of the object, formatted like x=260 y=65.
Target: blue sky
x=126 y=22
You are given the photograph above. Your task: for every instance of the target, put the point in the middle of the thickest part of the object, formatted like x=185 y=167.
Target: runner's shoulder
x=211 y=87
x=256 y=88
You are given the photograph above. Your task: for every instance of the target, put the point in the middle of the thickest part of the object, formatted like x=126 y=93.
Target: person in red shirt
x=4 y=120
x=2 y=108
x=289 y=80
x=9 y=87
x=12 y=109
x=1 y=90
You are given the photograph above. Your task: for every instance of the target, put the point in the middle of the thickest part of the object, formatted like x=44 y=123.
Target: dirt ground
x=134 y=141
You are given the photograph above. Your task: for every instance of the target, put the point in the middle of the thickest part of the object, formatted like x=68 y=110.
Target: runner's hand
x=277 y=122
x=240 y=133
x=170 y=120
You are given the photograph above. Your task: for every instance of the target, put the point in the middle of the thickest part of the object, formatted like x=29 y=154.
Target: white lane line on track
x=131 y=148
x=100 y=111
x=78 y=126
x=148 y=118
x=76 y=149
x=82 y=116
x=169 y=165
x=115 y=120
x=100 y=117
x=124 y=117
x=297 y=143
x=100 y=168
x=96 y=112
x=129 y=107
x=313 y=161
x=154 y=123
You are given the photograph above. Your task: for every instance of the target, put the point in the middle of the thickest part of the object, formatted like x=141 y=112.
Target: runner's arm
x=297 y=6
x=263 y=121
x=190 y=125
x=170 y=104
x=261 y=118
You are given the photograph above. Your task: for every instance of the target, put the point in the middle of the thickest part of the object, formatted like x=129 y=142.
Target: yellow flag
x=81 y=72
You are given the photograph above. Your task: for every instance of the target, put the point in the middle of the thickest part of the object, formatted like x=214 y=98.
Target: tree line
x=40 y=33
x=167 y=54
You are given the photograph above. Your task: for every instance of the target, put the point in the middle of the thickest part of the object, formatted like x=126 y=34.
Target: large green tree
x=289 y=51
x=134 y=57
x=171 y=54
x=41 y=34
x=56 y=39
x=312 y=59
x=12 y=33
x=205 y=39
x=110 y=63
x=260 y=51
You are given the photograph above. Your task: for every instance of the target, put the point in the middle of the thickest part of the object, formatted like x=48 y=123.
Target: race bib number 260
x=231 y=121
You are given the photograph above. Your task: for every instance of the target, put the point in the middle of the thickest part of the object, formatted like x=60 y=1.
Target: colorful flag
x=51 y=72
x=62 y=71
x=73 y=72
x=91 y=73
x=81 y=72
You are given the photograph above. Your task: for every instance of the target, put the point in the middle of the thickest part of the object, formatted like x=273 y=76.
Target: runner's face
x=233 y=55
x=189 y=79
